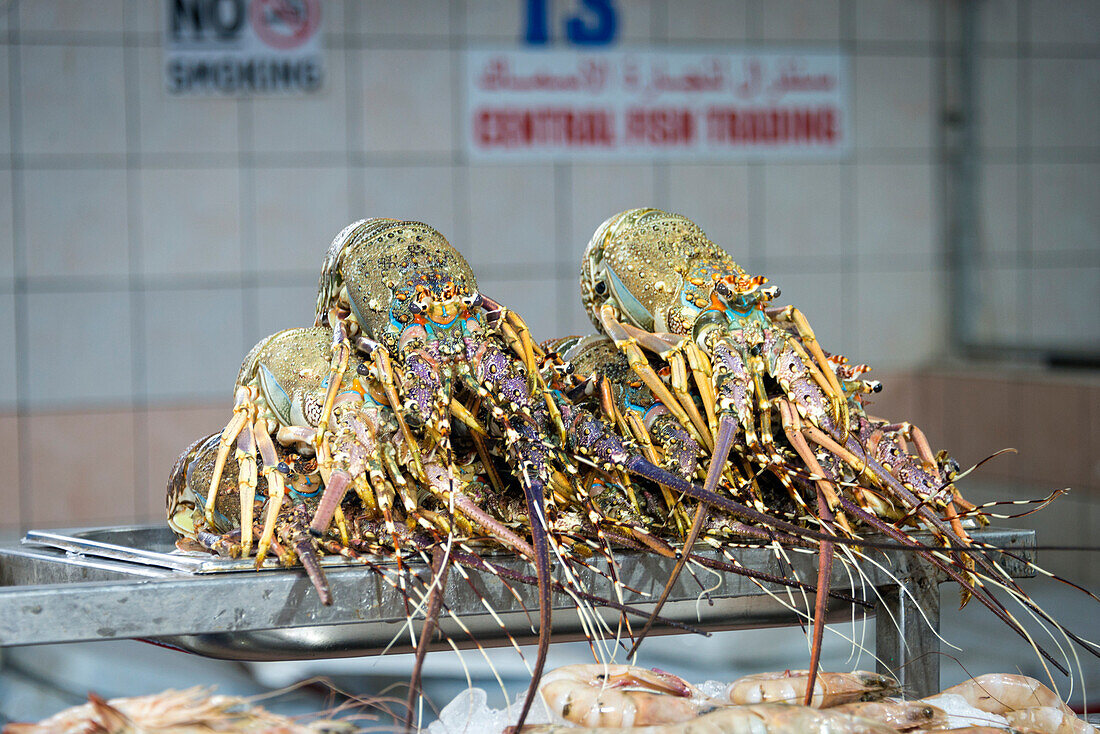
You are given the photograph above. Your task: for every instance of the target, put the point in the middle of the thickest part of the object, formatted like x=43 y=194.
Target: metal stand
x=76 y=593
x=906 y=623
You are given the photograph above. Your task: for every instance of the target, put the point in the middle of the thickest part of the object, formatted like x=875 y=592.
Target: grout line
x=211 y=160
x=563 y=236
x=757 y=247
x=662 y=39
x=246 y=193
x=19 y=265
x=459 y=164
x=137 y=301
x=353 y=130
x=849 y=244
x=1025 y=246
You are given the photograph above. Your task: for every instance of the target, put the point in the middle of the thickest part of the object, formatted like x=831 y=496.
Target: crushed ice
x=469 y=713
x=961 y=714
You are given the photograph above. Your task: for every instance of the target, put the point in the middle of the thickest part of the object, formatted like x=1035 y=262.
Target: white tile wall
x=1063 y=21
x=802 y=212
x=72 y=15
x=8 y=386
x=403 y=18
x=406 y=100
x=498 y=20
x=997 y=21
x=512 y=213
x=76 y=223
x=600 y=191
x=315 y=122
x=635 y=26
x=715 y=197
x=78 y=349
x=5 y=93
x=998 y=188
x=997 y=304
x=701 y=20
x=420 y=193
x=1063 y=102
x=893 y=20
x=893 y=102
x=894 y=212
x=1065 y=215
x=900 y=318
x=190 y=221
x=161 y=199
x=1064 y=303
x=786 y=20
x=997 y=100
x=298 y=212
x=284 y=307
x=84 y=81
x=7 y=234
x=177 y=124
x=193 y=344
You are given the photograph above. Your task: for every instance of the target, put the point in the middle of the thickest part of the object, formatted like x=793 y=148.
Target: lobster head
x=662 y=273
x=387 y=275
x=290 y=369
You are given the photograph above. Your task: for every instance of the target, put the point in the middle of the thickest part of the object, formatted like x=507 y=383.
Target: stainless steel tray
x=125 y=583
x=152 y=545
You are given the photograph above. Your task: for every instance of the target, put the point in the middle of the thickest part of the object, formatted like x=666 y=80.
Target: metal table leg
x=906 y=623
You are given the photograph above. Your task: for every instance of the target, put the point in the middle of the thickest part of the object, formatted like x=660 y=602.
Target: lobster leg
x=840 y=404
x=241 y=411
x=638 y=362
x=516 y=333
x=678 y=379
x=275 y=486
x=246 y=483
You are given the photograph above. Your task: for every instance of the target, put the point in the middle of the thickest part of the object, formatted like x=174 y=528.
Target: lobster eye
x=473 y=300
x=601 y=288
x=755 y=350
x=415 y=307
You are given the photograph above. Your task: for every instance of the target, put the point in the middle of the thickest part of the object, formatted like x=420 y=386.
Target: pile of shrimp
x=614 y=699
x=195 y=710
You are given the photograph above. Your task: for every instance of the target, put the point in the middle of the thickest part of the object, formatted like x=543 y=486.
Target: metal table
x=52 y=595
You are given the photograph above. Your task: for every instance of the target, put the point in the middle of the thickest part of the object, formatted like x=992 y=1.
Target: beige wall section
x=146 y=241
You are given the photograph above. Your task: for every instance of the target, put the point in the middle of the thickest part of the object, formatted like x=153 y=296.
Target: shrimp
x=999 y=693
x=620 y=695
x=760 y=718
x=830 y=689
x=1048 y=720
x=902 y=715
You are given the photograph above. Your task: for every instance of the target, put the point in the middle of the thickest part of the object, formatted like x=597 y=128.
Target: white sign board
x=242 y=47
x=530 y=104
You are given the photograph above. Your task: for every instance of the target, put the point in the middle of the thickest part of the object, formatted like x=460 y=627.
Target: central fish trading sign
x=649 y=103
x=241 y=47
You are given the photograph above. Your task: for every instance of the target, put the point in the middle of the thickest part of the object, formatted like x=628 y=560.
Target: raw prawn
x=830 y=689
x=620 y=695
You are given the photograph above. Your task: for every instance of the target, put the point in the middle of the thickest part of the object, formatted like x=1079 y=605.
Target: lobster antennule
x=539 y=539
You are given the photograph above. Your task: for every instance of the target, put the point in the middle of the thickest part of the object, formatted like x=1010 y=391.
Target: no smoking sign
x=241 y=47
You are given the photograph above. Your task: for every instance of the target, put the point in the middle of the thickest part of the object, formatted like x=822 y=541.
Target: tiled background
x=147 y=241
